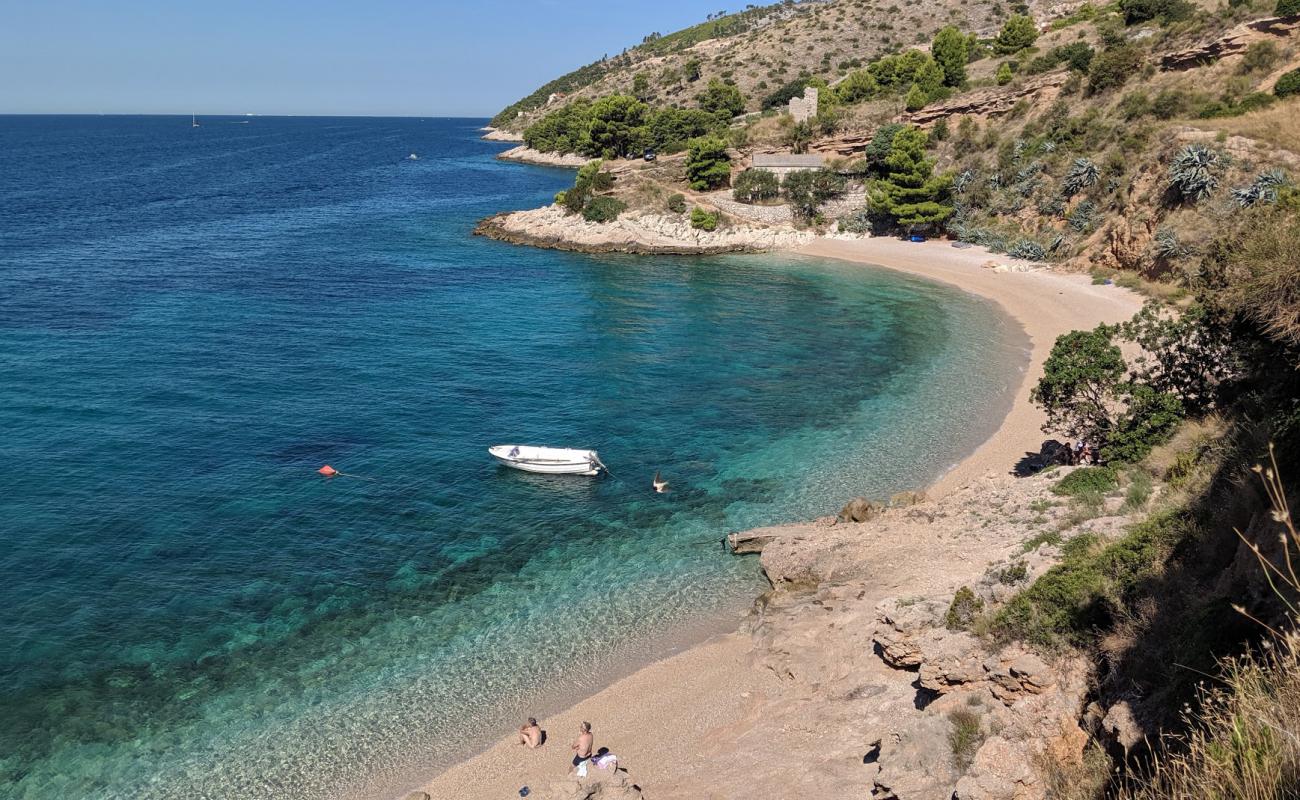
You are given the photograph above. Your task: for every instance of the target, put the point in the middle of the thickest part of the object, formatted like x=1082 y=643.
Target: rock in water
x=860 y=509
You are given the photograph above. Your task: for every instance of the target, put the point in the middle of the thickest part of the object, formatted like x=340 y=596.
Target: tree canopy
x=722 y=99
x=708 y=165
x=617 y=125
x=950 y=50
x=910 y=193
x=1017 y=33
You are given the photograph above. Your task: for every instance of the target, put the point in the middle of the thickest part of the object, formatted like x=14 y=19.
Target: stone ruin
x=804 y=108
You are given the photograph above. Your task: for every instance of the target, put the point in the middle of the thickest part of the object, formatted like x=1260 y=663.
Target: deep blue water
x=192 y=321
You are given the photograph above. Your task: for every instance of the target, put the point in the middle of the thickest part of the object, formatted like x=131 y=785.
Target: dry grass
x=1244 y=739
x=1278 y=125
x=1243 y=742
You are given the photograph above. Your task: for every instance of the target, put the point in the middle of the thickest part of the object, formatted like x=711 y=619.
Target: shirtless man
x=582 y=747
x=530 y=734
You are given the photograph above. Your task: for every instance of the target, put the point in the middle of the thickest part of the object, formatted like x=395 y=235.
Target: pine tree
x=910 y=193
x=949 y=48
x=916 y=98
x=1017 y=33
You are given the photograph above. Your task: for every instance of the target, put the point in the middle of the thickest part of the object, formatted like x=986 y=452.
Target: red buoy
x=328 y=471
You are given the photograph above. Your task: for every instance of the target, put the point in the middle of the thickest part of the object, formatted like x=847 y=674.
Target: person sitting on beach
x=530 y=734
x=582 y=746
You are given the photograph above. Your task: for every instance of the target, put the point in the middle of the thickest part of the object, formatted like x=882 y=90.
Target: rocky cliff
x=884 y=690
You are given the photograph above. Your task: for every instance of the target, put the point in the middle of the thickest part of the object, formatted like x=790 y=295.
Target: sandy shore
x=1045 y=303
x=657 y=720
x=662 y=719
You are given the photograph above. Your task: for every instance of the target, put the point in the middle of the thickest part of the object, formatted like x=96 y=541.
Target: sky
x=375 y=57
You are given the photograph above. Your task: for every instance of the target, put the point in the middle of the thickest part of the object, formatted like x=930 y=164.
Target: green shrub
x=1288 y=84
x=1139 y=491
x=1166 y=10
x=1287 y=8
x=603 y=209
x=1038 y=540
x=1087 y=480
x=754 y=185
x=1112 y=67
x=677 y=203
x=1004 y=75
x=704 y=220
x=1079 y=595
x=1013 y=573
x=965 y=609
x=1151 y=418
x=808 y=189
x=965 y=737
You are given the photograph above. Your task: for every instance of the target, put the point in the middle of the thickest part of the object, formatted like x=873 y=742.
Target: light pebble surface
x=667 y=721
x=658 y=721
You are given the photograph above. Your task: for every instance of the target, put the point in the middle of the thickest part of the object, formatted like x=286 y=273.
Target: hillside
x=763 y=49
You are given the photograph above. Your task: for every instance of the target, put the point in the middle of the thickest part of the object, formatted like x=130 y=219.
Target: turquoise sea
x=193 y=320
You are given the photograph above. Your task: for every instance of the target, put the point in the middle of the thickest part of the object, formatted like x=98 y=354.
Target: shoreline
x=663 y=717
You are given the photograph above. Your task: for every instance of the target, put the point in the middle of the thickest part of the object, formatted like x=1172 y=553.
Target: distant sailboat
x=194 y=121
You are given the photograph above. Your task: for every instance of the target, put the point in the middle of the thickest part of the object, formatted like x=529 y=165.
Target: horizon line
x=241 y=115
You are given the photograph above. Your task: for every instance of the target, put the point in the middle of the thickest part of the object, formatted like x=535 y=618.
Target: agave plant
x=1051 y=207
x=1018 y=149
x=1027 y=249
x=1263 y=190
x=1029 y=170
x=1048 y=146
x=1083 y=173
x=963 y=180
x=1194 y=172
x=1084 y=217
x=1167 y=244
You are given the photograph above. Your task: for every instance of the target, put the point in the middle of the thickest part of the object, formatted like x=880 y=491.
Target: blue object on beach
x=523 y=792
x=1109 y=282
x=916 y=237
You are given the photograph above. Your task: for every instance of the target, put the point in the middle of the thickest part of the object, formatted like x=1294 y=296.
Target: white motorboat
x=548 y=460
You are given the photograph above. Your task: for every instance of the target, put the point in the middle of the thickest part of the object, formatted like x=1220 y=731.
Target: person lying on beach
x=582 y=747
x=530 y=734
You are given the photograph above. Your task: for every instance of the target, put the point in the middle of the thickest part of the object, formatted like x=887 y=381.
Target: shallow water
x=193 y=320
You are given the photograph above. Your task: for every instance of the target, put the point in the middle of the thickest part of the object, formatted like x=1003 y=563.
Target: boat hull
x=547 y=461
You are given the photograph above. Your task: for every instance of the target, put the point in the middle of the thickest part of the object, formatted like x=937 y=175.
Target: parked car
x=650 y=155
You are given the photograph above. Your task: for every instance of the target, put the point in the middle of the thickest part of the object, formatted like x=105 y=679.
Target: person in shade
x=582 y=745
x=530 y=734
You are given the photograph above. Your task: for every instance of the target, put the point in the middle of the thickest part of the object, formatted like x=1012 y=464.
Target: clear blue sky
x=399 y=57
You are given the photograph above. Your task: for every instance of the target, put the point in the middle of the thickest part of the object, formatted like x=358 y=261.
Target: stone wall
x=804 y=108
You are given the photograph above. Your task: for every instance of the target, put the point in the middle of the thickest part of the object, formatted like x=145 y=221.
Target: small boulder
x=417 y=796
x=860 y=509
x=905 y=499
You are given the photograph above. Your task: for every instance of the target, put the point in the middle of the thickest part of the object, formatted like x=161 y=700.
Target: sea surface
x=194 y=320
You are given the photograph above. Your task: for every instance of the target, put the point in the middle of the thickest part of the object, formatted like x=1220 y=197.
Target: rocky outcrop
x=496 y=135
x=875 y=688
x=989 y=102
x=598 y=784
x=526 y=155
x=1234 y=42
x=633 y=232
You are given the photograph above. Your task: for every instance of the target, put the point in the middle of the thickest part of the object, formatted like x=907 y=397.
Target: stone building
x=782 y=164
x=804 y=108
